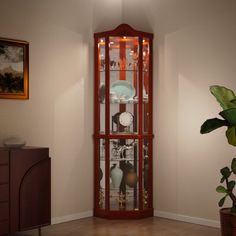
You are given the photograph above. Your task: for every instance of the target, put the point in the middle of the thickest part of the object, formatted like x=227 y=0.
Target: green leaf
x=221 y=189
x=231 y=185
x=233 y=101
x=231 y=135
x=229 y=115
x=225 y=172
x=224 y=96
x=222 y=201
x=212 y=124
x=233 y=165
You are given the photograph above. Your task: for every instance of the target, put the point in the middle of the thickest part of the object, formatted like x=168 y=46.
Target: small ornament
x=121 y=200
x=101 y=198
x=145 y=198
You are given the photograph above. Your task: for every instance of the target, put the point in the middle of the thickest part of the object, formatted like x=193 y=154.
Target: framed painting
x=14 y=69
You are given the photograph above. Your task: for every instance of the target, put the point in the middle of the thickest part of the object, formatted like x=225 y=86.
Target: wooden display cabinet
x=123 y=123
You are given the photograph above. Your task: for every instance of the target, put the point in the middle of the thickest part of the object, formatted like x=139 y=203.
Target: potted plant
x=227 y=100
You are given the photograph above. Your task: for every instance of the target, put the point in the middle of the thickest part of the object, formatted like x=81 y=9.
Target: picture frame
x=14 y=69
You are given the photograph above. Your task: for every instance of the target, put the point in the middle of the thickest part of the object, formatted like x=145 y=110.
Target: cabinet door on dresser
x=30 y=188
x=4 y=192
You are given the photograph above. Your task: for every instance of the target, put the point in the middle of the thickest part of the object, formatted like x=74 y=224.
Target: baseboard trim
x=188 y=219
x=63 y=219
x=162 y=214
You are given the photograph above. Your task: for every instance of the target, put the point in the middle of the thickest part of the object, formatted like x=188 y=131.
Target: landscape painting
x=14 y=65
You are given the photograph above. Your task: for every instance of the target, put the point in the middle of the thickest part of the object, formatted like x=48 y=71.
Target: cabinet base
x=123 y=214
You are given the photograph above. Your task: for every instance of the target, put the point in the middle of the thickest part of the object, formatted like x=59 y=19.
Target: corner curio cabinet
x=123 y=123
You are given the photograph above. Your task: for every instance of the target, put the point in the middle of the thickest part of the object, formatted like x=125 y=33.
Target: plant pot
x=228 y=222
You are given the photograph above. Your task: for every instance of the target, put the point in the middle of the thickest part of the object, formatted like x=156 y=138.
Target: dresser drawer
x=4 y=192
x=4 y=157
x=4 y=227
x=4 y=173
x=4 y=211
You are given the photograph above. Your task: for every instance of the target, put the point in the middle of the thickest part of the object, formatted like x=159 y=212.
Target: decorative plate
x=126 y=118
x=122 y=89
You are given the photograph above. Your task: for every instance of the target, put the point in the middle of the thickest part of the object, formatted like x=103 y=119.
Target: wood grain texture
x=4 y=156
x=25 y=189
x=152 y=226
x=4 y=174
x=4 y=193
x=35 y=196
x=4 y=227
x=4 y=211
x=22 y=160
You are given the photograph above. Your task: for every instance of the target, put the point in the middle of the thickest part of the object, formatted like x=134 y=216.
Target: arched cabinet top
x=121 y=30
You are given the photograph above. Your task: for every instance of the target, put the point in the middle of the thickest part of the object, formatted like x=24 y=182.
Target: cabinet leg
x=39 y=231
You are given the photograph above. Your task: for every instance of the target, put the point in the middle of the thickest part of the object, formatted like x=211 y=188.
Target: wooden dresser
x=25 y=189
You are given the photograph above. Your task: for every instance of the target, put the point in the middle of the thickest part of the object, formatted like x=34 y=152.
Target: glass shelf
x=128 y=189
x=102 y=158
x=126 y=102
x=125 y=132
x=101 y=71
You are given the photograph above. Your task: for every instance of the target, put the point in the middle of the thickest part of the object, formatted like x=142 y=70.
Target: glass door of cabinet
x=123 y=59
x=124 y=167
x=102 y=83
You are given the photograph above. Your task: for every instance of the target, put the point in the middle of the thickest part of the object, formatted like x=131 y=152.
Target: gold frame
x=25 y=46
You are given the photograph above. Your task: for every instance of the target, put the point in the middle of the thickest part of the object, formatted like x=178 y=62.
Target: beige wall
x=194 y=47
x=59 y=113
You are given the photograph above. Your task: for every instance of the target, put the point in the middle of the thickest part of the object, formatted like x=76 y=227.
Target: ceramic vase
x=131 y=179
x=128 y=167
x=116 y=176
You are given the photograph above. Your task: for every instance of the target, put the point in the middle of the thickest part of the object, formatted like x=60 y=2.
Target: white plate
x=122 y=89
x=126 y=118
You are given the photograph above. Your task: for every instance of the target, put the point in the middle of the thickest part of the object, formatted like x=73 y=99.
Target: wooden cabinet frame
x=142 y=111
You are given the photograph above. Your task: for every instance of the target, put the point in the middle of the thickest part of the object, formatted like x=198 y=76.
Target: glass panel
x=123 y=56
x=124 y=174
x=101 y=65
x=145 y=172
x=102 y=174
x=146 y=61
